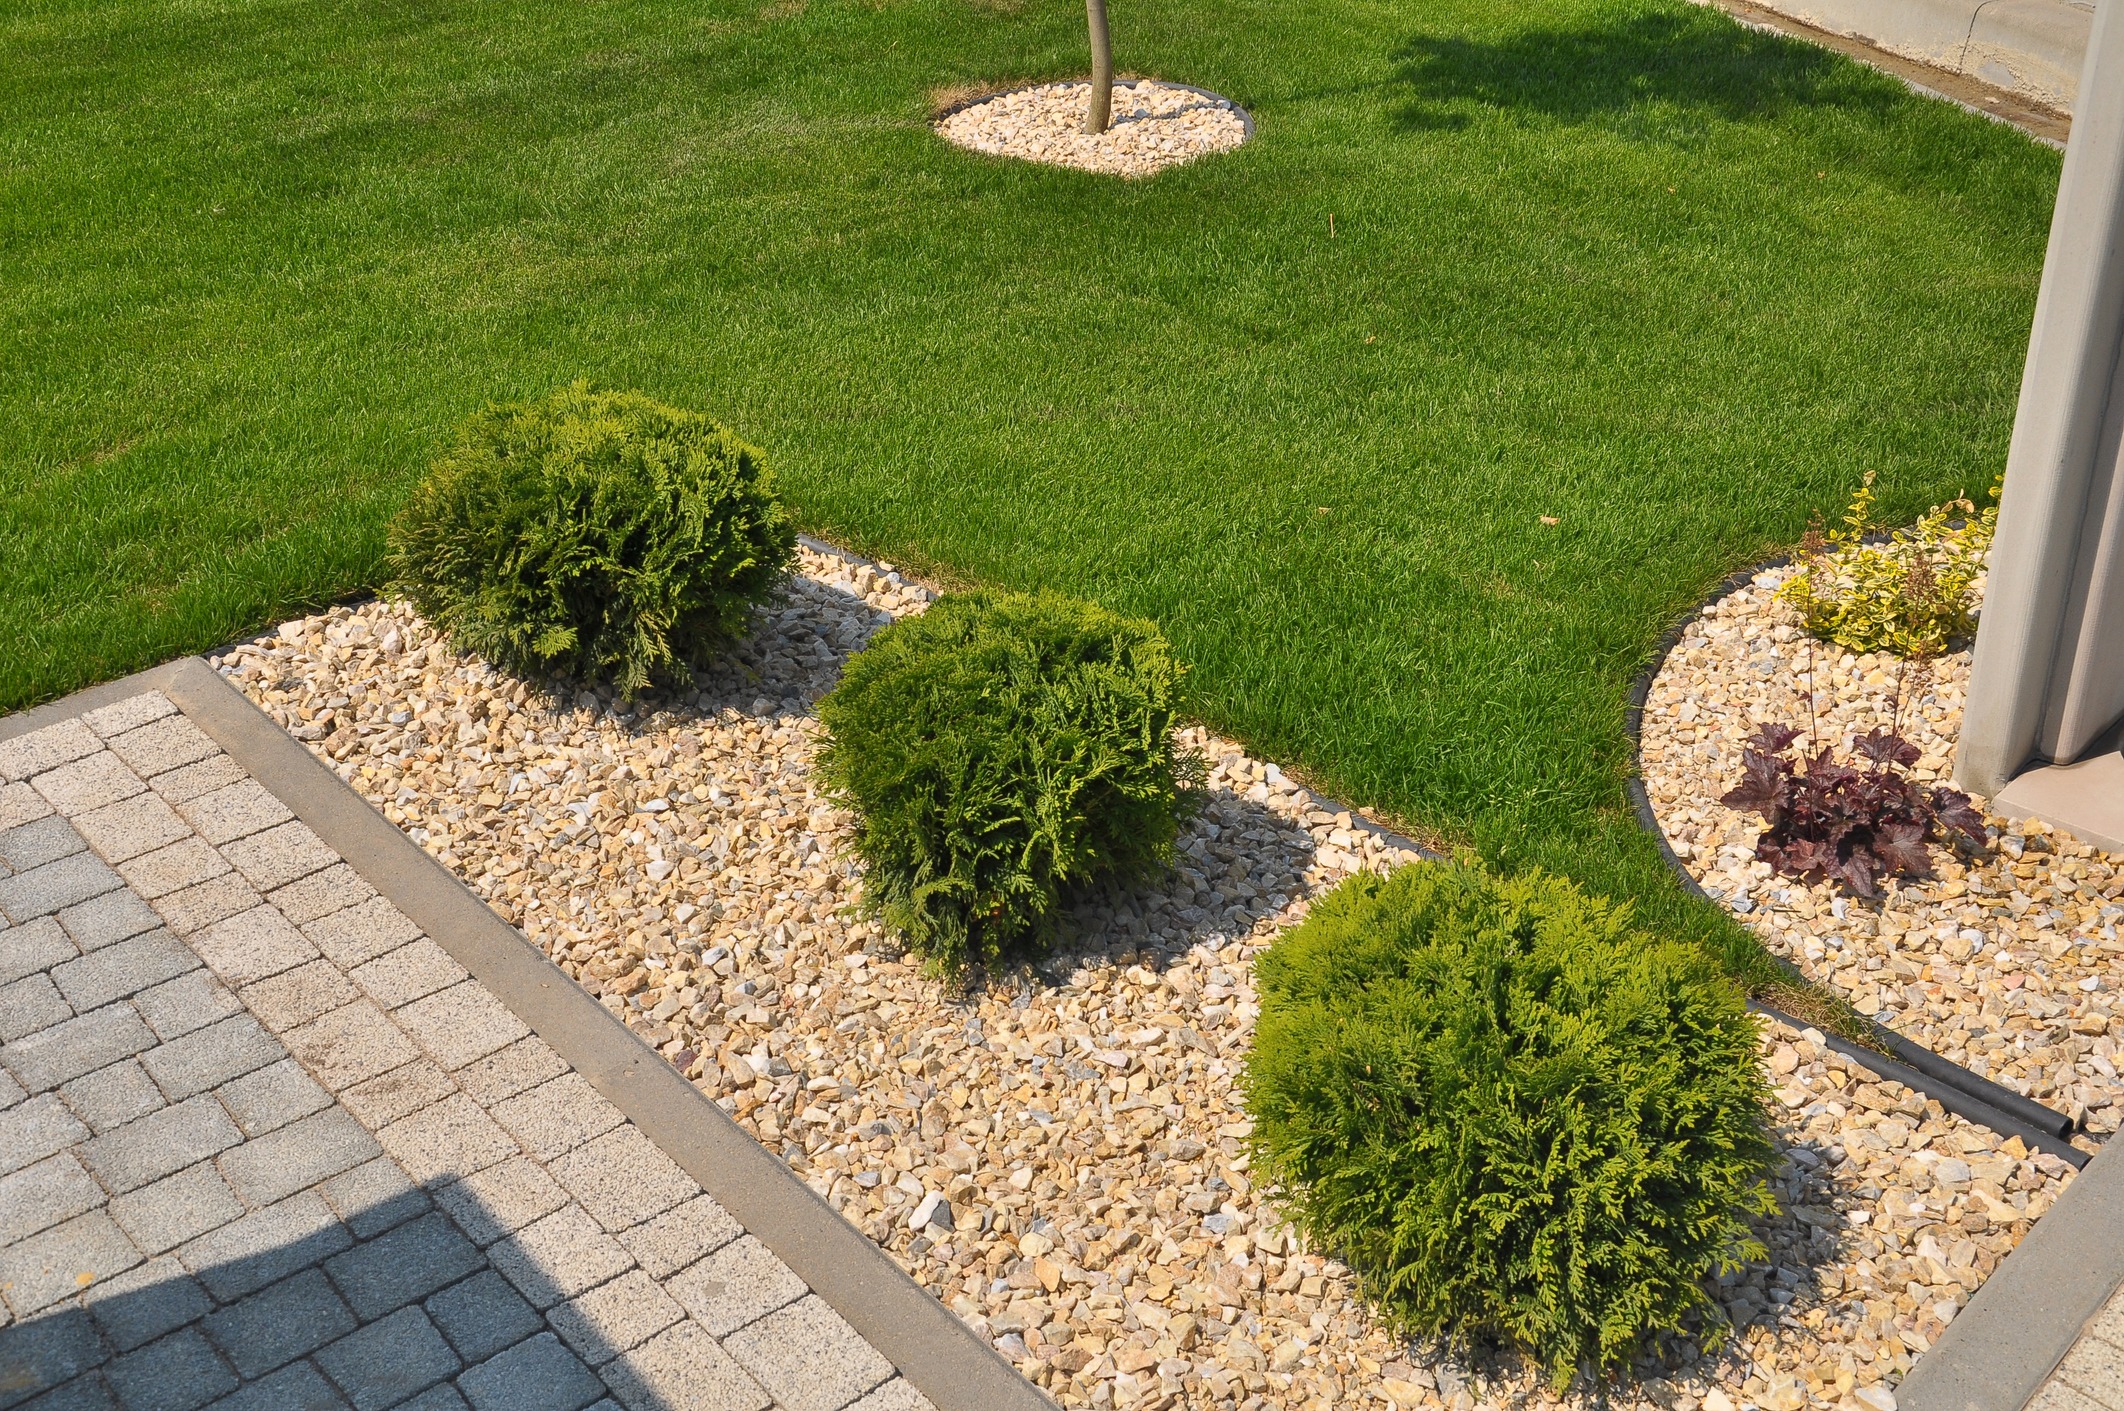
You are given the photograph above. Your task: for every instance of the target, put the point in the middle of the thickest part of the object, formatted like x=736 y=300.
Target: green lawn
x=1620 y=262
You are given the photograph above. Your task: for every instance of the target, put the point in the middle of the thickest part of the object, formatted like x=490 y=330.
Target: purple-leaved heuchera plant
x=1854 y=821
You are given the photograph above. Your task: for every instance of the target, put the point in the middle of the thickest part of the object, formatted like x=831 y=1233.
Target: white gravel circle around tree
x=1154 y=126
x=1059 y=1154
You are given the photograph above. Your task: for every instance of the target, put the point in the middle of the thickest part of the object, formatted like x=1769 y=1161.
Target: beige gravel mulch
x=1058 y=1152
x=1153 y=126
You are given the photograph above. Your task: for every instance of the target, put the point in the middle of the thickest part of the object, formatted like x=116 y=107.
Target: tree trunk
x=1097 y=113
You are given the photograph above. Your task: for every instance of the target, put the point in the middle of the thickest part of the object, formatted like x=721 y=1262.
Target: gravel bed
x=2008 y=963
x=1058 y=1152
x=1154 y=126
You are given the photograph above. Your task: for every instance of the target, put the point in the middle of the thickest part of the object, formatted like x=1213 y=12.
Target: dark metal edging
x=950 y=1364
x=1948 y=1083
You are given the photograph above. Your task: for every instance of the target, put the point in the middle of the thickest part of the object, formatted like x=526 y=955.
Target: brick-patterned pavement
x=265 y=1145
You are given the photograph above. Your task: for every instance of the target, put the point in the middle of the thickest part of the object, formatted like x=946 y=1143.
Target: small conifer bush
x=1509 y=1114
x=999 y=750
x=596 y=534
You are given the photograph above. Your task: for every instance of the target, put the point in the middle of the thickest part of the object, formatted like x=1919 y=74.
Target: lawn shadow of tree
x=1688 y=66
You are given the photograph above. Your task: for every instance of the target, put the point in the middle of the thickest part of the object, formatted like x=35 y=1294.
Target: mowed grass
x=1621 y=263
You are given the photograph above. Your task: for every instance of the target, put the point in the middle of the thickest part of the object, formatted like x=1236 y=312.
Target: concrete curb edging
x=946 y=1360
x=1954 y=1087
x=2002 y=1348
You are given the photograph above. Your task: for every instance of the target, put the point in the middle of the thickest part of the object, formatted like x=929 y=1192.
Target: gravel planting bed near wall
x=1057 y=1152
x=2008 y=963
x=1154 y=126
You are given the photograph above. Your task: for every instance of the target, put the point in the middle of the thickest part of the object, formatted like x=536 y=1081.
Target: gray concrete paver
x=166 y=1140
x=180 y=1372
x=30 y=845
x=111 y=1097
x=272 y=1097
x=42 y=1195
x=306 y=1153
x=403 y=1265
x=108 y=919
x=55 y=1264
x=387 y=1361
x=265 y=1245
x=300 y=1387
x=538 y=1374
x=33 y=948
x=209 y=1057
x=179 y=1207
x=482 y=1315
x=279 y=1323
x=186 y=1004
x=35 y=1128
x=123 y=968
x=55 y=886
x=29 y=1004
x=188 y=1214
x=49 y=1057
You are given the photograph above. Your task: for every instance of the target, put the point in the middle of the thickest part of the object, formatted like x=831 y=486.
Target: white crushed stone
x=1069 y=1136
x=1154 y=126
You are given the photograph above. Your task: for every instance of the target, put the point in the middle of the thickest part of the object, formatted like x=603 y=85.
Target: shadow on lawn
x=1694 y=65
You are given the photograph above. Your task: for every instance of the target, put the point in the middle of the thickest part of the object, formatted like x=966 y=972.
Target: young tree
x=1100 y=109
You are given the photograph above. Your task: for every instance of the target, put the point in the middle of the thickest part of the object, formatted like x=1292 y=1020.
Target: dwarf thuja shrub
x=998 y=750
x=597 y=534
x=1507 y=1113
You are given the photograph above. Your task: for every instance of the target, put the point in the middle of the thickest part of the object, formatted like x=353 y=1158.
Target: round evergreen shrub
x=999 y=749
x=597 y=534
x=1509 y=1114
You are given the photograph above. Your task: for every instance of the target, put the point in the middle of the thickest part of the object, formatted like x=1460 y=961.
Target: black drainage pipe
x=1951 y=1085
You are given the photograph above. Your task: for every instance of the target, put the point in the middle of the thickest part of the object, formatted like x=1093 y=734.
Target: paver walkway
x=2091 y=1378
x=263 y=1144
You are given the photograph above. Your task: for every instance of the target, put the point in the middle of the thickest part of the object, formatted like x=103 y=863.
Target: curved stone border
x=1892 y=1056
x=925 y=1341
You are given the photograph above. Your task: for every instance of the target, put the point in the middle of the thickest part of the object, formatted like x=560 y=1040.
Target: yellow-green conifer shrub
x=1912 y=595
x=999 y=750
x=1509 y=1113
x=599 y=534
